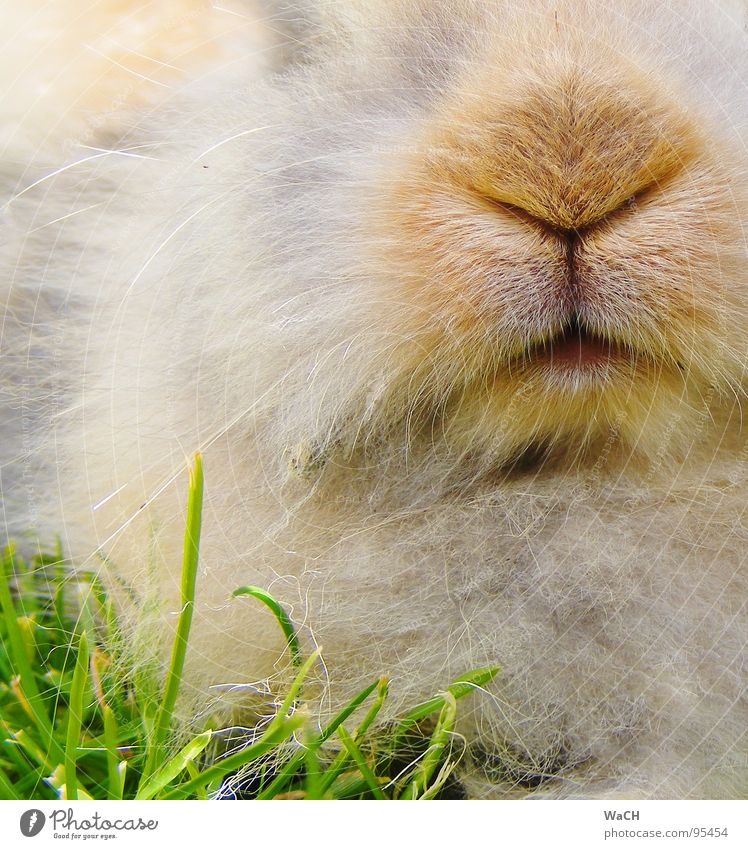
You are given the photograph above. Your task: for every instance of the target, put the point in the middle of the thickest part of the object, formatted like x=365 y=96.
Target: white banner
x=317 y=826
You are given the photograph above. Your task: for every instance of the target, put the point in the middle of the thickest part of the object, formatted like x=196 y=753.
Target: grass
x=74 y=724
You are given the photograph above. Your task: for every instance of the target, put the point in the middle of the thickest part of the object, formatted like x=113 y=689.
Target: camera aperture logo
x=67 y=826
x=32 y=822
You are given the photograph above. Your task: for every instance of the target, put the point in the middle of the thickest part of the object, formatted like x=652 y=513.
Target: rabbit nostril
x=518 y=213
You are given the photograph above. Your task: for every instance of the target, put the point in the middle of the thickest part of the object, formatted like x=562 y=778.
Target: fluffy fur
x=343 y=282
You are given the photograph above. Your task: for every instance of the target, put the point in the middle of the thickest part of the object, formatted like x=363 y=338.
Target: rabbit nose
x=568 y=150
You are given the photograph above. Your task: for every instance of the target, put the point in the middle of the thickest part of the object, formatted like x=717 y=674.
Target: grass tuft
x=75 y=725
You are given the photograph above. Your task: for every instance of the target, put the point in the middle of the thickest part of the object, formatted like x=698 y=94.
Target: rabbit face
x=561 y=241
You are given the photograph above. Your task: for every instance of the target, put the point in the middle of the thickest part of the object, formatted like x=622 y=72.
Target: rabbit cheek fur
x=457 y=314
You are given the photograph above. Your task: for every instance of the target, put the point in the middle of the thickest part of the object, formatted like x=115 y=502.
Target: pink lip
x=580 y=349
x=577 y=349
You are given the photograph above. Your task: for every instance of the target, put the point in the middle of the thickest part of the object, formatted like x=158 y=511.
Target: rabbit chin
x=544 y=410
x=569 y=414
x=462 y=404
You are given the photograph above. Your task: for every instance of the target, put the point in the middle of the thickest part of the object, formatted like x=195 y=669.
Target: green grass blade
x=313 y=774
x=58 y=599
x=292 y=766
x=57 y=782
x=284 y=777
x=348 y=785
x=437 y=747
x=12 y=750
x=33 y=750
x=111 y=736
x=459 y=688
x=26 y=586
x=292 y=638
x=179 y=650
x=175 y=766
x=341 y=759
x=20 y=659
x=294 y=689
x=332 y=727
x=194 y=772
x=6 y=788
x=75 y=718
x=383 y=688
x=360 y=761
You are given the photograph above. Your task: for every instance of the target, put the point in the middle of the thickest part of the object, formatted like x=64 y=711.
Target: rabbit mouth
x=575 y=347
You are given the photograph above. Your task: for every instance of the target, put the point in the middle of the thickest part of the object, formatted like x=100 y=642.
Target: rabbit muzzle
x=569 y=218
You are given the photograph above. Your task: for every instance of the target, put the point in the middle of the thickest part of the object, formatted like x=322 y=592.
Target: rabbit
x=452 y=298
